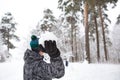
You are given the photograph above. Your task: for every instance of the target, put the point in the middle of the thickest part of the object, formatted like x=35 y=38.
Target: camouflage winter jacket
x=36 y=69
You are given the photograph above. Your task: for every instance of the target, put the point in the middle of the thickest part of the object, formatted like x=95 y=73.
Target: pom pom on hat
x=33 y=37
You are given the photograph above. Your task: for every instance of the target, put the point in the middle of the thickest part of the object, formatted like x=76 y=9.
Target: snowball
x=47 y=36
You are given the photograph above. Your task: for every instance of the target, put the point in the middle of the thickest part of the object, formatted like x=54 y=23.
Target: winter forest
x=82 y=30
x=86 y=32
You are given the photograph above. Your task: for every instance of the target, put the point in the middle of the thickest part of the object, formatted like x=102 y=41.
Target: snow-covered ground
x=13 y=70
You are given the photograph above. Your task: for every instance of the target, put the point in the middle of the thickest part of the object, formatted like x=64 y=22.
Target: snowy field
x=13 y=70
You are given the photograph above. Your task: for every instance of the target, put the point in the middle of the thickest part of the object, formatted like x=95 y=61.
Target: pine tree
x=2 y=59
x=118 y=19
x=87 y=46
x=101 y=4
x=116 y=42
x=92 y=25
x=70 y=9
x=8 y=30
x=1 y=41
x=48 y=22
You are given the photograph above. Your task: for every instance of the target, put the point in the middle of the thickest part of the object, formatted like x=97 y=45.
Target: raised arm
x=56 y=67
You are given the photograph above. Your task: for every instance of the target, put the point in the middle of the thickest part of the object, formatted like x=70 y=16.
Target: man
x=37 y=69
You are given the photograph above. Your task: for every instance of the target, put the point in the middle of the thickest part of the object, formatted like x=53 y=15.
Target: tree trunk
x=76 y=46
x=103 y=32
x=8 y=41
x=86 y=32
x=72 y=40
x=97 y=37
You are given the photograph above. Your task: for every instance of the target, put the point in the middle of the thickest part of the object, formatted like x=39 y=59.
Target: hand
x=41 y=48
x=51 y=48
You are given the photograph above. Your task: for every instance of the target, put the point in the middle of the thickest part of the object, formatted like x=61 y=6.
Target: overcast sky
x=28 y=12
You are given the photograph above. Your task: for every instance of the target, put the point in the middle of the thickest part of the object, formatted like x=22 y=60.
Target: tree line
x=94 y=44
x=82 y=29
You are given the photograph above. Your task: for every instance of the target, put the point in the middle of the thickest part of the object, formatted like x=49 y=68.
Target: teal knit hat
x=34 y=42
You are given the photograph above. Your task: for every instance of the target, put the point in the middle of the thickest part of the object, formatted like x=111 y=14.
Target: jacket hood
x=31 y=56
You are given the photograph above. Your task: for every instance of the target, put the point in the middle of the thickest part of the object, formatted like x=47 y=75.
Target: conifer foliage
x=8 y=28
x=48 y=21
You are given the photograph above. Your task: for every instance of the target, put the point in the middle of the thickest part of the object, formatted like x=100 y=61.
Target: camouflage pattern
x=36 y=69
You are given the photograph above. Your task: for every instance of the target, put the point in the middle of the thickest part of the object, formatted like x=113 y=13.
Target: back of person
x=37 y=69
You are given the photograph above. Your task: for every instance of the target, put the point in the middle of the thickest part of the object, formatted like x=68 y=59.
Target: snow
x=47 y=36
x=13 y=70
x=77 y=71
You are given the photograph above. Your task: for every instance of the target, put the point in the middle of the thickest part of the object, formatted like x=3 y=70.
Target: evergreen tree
x=95 y=22
x=118 y=19
x=8 y=27
x=102 y=5
x=2 y=59
x=116 y=43
x=87 y=45
x=48 y=22
x=91 y=7
x=70 y=9
x=1 y=41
